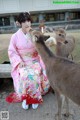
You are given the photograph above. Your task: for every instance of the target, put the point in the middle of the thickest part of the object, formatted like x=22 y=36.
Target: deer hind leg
x=58 y=116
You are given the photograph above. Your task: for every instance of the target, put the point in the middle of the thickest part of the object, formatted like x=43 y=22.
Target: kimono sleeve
x=41 y=62
x=13 y=54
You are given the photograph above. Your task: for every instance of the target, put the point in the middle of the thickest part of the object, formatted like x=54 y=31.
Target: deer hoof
x=57 y=117
x=67 y=116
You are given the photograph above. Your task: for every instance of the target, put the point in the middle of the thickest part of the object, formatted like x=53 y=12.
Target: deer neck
x=44 y=52
x=58 y=49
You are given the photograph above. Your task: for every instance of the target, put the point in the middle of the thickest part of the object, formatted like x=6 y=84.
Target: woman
x=28 y=71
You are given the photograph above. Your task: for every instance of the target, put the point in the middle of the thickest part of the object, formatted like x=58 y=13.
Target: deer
x=67 y=45
x=63 y=74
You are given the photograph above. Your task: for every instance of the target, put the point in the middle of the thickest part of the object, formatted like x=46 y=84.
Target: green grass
x=3 y=56
x=5 y=38
x=76 y=52
x=4 y=43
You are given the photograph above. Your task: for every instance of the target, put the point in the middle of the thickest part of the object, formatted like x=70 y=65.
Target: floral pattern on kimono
x=30 y=82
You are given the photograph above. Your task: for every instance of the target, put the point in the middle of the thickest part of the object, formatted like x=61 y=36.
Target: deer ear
x=46 y=37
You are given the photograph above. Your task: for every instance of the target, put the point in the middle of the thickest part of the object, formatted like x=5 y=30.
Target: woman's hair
x=25 y=16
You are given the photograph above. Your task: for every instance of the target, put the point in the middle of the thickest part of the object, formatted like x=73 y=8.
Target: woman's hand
x=22 y=64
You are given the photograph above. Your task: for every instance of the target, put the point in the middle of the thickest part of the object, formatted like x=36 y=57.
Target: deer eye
x=59 y=34
x=65 y=41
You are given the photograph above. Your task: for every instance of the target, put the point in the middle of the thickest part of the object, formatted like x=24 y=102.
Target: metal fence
x=71 y=25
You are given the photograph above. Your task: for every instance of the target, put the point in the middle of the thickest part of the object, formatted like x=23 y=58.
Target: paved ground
x=46 y=111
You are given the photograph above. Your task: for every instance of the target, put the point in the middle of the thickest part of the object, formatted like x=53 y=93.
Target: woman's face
x=26 y=26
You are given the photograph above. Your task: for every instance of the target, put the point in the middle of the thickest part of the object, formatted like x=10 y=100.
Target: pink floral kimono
x=30 y=82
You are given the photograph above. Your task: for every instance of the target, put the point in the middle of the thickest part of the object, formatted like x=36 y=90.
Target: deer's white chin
x=51 y=40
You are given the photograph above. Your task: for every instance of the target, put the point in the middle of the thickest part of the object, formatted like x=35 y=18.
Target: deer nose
x=65 y=41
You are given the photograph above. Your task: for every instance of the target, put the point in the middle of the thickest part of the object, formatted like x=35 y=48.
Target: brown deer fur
x=68 y=45
x=63 y=74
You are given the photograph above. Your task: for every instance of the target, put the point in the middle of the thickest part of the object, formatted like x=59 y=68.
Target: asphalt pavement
x=45 y=111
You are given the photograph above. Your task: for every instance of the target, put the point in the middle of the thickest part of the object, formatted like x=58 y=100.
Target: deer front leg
x=58 y=116
x=66 y=114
